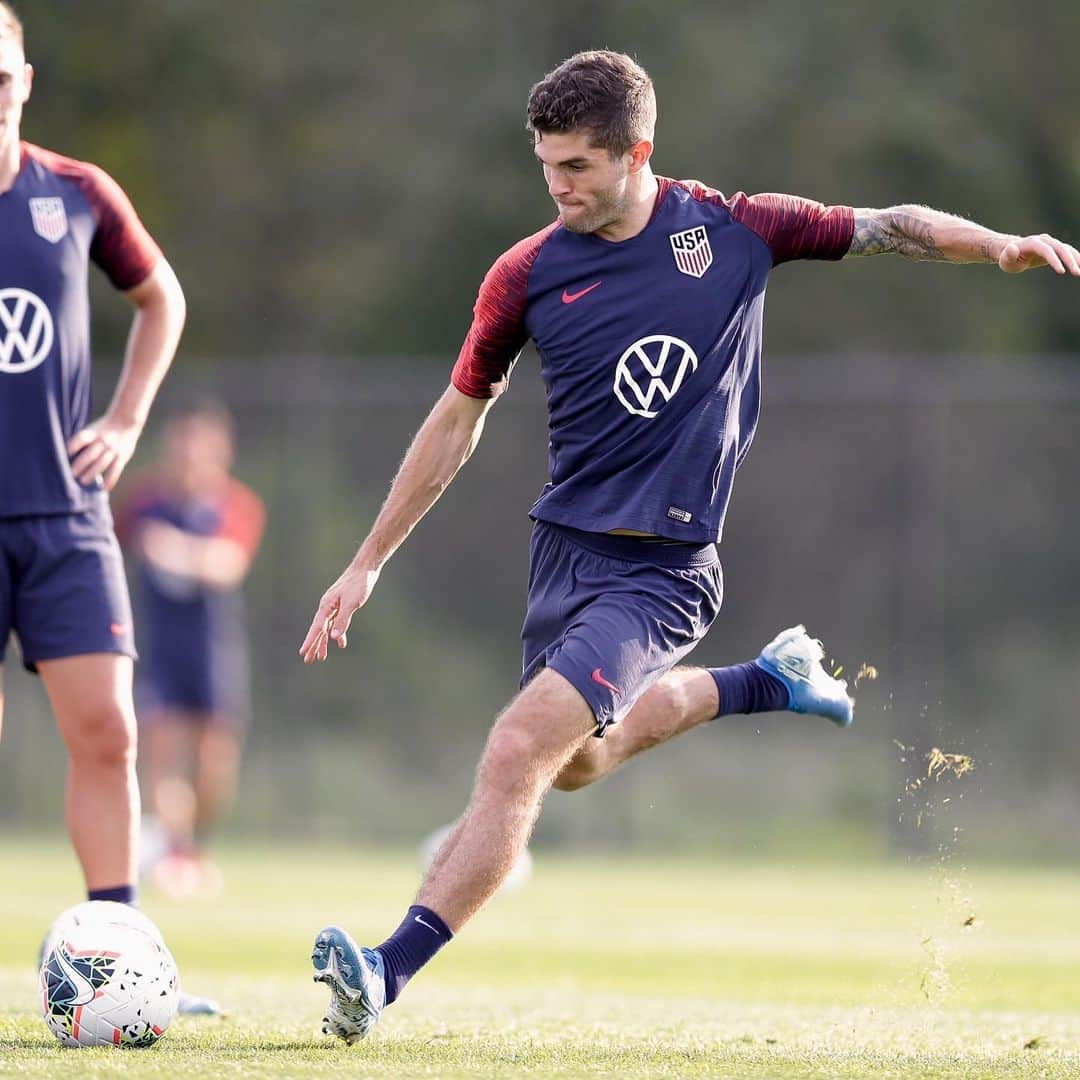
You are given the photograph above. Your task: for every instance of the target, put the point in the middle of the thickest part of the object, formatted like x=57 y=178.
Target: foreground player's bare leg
x=91 y=699
x=682 y=699
x=528 y=747
x=787 y=675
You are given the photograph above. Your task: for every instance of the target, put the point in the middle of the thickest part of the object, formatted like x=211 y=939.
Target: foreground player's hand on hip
x=1027 y=252
x=338 y=605
x=100 y=451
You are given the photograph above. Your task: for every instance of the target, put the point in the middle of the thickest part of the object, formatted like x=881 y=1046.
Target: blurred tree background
x=332 y=179
x=336 y=176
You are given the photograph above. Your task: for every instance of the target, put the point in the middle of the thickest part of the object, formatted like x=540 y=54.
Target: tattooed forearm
x=898 y=230
x=871 y=236
x=921 y=233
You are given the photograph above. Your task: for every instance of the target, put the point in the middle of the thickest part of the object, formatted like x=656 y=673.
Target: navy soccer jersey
x=650 y=350
x=192 y=636
x=57 y=217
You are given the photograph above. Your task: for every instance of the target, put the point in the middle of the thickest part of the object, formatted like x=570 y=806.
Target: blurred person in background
x=644 y=299
x=62 y=586
x=192 y=531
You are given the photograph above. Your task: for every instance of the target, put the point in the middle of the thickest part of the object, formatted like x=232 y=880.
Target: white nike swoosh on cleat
x=796 y=667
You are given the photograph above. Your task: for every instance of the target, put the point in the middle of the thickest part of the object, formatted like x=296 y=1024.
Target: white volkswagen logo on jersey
x=654 y=367
x=26 y=331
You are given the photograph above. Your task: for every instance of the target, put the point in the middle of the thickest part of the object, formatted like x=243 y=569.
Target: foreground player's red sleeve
x=121 y=247
x=498 y=333
x=795 y=228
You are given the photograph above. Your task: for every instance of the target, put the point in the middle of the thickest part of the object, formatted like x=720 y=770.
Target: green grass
x=601 y=967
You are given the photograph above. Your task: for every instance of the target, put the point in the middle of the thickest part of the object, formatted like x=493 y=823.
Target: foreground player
x=62 y=587
x=644 y=300
x=192 y=530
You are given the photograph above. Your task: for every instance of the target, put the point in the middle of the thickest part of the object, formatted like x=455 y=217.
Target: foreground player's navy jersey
x=650 y=350
x=57 y=216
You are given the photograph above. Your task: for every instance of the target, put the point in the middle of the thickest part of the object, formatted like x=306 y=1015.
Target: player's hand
x=166 y=548
x=1027 y=252
x=338 y=605
x=101 y=450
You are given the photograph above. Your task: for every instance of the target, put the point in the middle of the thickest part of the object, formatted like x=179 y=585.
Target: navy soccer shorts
x=201 y=679
x=612 y=614
x=62 y=586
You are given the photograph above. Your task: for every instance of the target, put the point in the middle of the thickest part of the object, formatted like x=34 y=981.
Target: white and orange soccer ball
x=107 y=978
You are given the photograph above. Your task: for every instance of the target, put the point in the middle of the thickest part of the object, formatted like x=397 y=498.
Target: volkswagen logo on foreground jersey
x=26 y=331
x=650 y=373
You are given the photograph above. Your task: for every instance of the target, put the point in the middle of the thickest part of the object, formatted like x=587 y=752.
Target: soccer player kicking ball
x=62 y=586
x=644 y=299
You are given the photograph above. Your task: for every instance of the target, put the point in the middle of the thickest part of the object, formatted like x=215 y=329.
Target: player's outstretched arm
x=101 y=449
x=443 y=444
x=921 y=233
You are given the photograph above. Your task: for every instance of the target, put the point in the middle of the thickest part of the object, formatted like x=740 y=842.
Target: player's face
x=15 y=78
x=197 y=448
x=588 y=185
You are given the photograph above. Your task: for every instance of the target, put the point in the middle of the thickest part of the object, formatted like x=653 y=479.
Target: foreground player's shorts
x=613 y=613
x=62 y=586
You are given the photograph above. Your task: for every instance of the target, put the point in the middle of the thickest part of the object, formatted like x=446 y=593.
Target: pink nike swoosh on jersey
x=597 y=677
x=569 y=297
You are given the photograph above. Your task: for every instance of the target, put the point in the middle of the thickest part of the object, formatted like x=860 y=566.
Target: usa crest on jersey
x=49 y=218
x=692 y=250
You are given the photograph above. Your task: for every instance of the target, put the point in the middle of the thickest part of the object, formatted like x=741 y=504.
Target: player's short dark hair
x=605 y=93
x=10 y=26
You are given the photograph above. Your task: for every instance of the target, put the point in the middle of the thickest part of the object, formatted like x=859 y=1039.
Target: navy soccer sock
x=122 y=894
x=419 y=937
x=746 y=688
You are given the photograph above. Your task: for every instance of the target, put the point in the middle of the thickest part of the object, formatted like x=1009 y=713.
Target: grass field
x=601 y=967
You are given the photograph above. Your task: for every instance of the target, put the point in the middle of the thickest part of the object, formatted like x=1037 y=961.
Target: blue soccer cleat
x=356 y=980
x=795 y=659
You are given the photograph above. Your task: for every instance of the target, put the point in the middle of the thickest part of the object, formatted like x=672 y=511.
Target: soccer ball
x=520 y=873
x=97 y=911
x=107 y=978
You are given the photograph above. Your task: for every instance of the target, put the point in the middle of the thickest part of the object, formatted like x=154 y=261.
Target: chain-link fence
x=917 y=513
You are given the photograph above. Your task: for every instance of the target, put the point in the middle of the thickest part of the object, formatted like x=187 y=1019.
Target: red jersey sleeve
x=795 y=228
x=243 y=517
x=498 y=334
x=121 y=246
